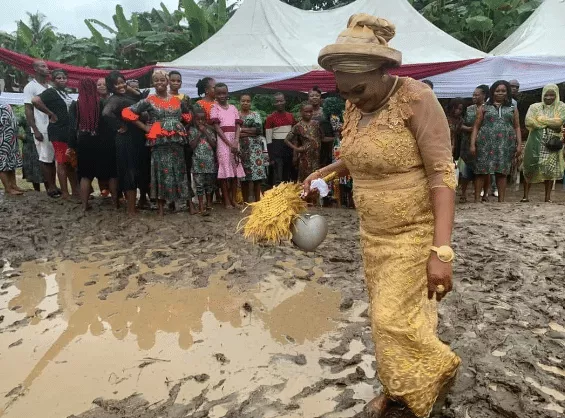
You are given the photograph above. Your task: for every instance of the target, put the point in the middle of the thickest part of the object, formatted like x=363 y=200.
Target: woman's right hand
x=308 y=182
x=38 y=136
x=473 y=150
x=53 y=118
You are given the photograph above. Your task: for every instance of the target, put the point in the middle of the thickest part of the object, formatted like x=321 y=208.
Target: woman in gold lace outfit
x=396 y=146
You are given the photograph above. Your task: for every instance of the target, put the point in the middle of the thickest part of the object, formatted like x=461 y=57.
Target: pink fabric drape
x=326 y=81
x=25 y=63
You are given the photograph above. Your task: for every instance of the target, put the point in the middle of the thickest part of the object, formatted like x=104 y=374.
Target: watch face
x=445 y=254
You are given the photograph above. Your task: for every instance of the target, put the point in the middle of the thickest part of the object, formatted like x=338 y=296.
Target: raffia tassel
x=271 y=218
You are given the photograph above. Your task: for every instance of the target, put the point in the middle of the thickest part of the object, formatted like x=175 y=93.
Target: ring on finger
x=440 y=289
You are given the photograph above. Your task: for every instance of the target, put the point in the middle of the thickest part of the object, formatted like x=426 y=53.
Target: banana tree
x=482 y=24
x=203 y=22
x=143 y=39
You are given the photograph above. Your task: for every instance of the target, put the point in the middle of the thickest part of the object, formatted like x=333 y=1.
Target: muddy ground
x=102 y=316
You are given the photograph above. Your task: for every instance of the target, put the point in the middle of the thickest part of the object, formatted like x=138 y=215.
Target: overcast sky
x=68 y=15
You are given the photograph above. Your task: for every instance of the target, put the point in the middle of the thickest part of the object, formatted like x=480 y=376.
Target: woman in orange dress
x=166 y=136
x=396 y=146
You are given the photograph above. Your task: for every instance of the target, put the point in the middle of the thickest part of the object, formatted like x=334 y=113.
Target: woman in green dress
x=543 y=163
x=496 y=139
x=466 y=160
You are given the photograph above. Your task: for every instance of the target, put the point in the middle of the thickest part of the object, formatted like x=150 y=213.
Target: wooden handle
x=330 y=177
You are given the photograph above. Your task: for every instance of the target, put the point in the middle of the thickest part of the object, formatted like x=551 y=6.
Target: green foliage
x=159 y=35
x=264 y=102
x=482 y=24
x=163 y=35
x=318 y=4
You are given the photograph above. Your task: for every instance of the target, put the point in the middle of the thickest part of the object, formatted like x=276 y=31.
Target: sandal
x=463 y=199
x=524 y=200
x=54 y=194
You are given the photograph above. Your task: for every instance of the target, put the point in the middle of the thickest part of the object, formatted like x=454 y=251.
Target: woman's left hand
x=439 y=274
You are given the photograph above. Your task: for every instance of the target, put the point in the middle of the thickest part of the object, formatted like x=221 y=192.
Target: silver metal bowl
x=309 y=231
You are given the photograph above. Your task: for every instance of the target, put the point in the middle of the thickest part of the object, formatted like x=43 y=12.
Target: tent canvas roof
x=271 y=36
x=542 y=35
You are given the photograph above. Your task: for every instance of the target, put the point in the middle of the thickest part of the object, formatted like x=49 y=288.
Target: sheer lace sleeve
x=429 y=126
x=111 y=112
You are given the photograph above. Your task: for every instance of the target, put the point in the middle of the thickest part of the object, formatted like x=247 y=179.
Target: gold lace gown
x=395 y=160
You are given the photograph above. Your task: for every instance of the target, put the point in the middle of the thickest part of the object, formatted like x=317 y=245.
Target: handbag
x=553 y=141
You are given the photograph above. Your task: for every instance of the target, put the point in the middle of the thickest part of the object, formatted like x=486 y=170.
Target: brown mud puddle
x=69 y=336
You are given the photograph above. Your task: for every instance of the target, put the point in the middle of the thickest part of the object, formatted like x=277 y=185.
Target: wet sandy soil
x=102 y=316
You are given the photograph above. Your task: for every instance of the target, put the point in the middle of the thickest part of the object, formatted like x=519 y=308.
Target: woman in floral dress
x=251 y=146
x=167 y=137
x=466 y=161
x=305 y=139
x=496 y=139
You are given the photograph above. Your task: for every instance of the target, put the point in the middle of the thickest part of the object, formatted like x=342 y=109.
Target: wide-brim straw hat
x=362 y=47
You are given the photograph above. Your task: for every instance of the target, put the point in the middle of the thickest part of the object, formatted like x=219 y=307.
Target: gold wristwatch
x=445 y=253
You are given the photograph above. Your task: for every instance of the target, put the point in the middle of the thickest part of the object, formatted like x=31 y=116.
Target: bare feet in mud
x=14 y=192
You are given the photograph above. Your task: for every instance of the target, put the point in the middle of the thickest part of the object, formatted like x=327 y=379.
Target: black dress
x=96 y=151
x=132 y=156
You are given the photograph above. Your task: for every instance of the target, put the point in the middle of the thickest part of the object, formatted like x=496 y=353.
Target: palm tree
x=37 y=37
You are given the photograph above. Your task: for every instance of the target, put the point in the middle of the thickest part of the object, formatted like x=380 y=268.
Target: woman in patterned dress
x=318 y=115
x=455 y=110
x=166 y=136
x=227 y=123
x=10 y=158
x=466 y=161
x=396 y=146
x=251 y=145
x=541 y=164
x=496 y=139
x=305 y=139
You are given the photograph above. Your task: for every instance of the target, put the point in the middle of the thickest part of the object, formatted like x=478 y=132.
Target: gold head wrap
x=362 y=47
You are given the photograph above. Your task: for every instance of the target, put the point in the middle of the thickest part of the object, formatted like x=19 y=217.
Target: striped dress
x=10 y=158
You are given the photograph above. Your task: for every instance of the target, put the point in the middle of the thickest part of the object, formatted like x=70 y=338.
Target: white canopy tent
x=268 y=40
x=534 y=55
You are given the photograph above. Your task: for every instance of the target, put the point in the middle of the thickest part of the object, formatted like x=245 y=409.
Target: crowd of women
x=165 y=148
x=492 y=144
